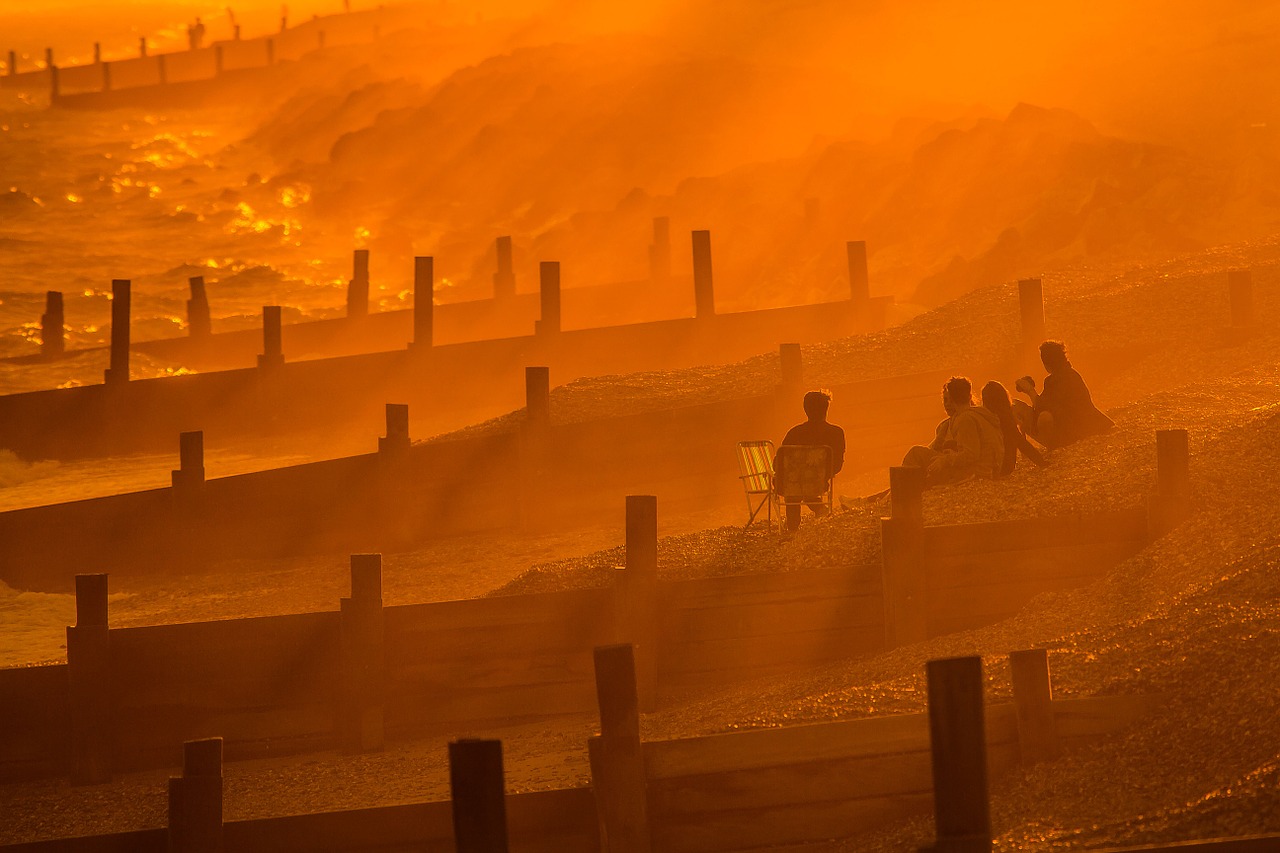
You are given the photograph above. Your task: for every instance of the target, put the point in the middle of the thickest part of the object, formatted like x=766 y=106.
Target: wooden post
x=358 y=287
x=660 y=250
x=272 y=338
x=190 y=473
x=703 y=288
x=199 y=324
x=271 y=51
x=236 y=32
x=48 y=57
x=89 y=683
x=617 y=758
x=478 y=792
x=1033 y=703
x=55 y=83
x=106 y=76
x=397 y=437
x=218 y=60
x=859 y=281
x=13 y=62
x=195 y=799
x=363 y=688
x=906 y=599
x=959 y=747
x=1031 y=310
x=504 y=280
x=118 y=372
x=792 y=367
x=636 y=595
x=52 y=335
x=162 y=70
x=1171 y=503
x=537 y=395
x=424 y=289
x=142 y=47
x=1240 y=293
x=549 y=296
x=97 y=53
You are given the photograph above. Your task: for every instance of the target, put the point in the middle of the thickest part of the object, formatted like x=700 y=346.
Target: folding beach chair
x=755 y=469
x=803 y=476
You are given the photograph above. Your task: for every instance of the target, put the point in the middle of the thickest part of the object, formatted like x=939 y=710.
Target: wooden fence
x=732 y=791
x=353 y=677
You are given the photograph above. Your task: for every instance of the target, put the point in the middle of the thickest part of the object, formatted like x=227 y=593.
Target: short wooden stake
x=1033 y=703
x=195 y=799
x=89 y=682
x=959 y=748
x=358 y=287
x=1240 y=293
x=142 y=47
x=13 y=62
x=97 y=53
x=1171 y=503
x=478 y=792
x=660 y=250
x=271 y=51
x=703 y=287
x=218 y=60
x=549 y=297
x=397 y=437
x=537 y=395
x=199 y=323
x=504 y=280
x=162 y=70
x=52 y=323
x=272 y=338
x=905 y=578
x=190 y=473
x=363 y=689
x=106 y=76
x=118 y=372
x=792 y=367
x=424 y=291
x=48 y=57
x=636 y=595
x=859 y=281
x=616 y=755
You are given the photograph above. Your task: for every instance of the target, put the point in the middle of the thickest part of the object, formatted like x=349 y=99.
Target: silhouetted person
x=995 y=399
x=195 y=34
x=1063 y=413
x=816 y=432
x=967 y=444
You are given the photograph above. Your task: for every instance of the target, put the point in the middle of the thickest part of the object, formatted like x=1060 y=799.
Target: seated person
x=967 y=444
x=1063 y=413
x=995 y=399
x=816 y=432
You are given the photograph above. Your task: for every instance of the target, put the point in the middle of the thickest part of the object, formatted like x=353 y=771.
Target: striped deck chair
x=755 y=470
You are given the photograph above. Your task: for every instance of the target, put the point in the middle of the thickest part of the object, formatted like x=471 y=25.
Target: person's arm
x=968 y=445
x=940 y=435
x=1028 y=449
x=837 y=452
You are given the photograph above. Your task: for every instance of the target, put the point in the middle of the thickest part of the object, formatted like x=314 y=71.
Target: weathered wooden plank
x=994 y=601
x=576 y=606
x=141 y=841
x=1020 y=534
x=733 y=620
x=1246 y=844
x=412 y=708
x=770 y=587
x=1093 y=717
x=958 y=573
x=796 y=649
x=466 y=673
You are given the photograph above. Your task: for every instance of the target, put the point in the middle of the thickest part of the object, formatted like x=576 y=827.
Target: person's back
x=1066 y=399
x=817 y=432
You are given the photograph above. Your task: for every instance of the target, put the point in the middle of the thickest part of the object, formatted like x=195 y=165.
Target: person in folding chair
x=815 y=432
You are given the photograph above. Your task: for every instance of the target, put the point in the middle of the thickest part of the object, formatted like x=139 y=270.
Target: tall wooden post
x=358 y=287
x=199 y=323
x=424 y=289
x=537 y=394
x=504 y=280
x=859 y=281
x=48 y=57
x=906 y=599
x=118 y=372
x=397 y=437
x=89 y=683
x=959 y=746
x=272 y=338
x=1031 y=310
x=617 y=758
x=162 y=70
x=190 y=473
x=195 y=799
x=1033 y=703
x=636 y=595
x=660 y=250
x=703 y=289
x=363 y=688
x=1171 y=503
x=13 y=62
x=549 y=297
x=535 y=449
x=97 y=53
x=1240 y=293
x=55 y=83
x=142 y=47
x=792 y=368
x=478 y=792
x=52 y=323
x=106 y=76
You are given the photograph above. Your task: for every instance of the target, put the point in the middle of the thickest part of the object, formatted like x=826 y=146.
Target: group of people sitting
x=979 y=437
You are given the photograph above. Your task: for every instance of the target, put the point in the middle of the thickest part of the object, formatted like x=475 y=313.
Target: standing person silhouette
x=816 y=432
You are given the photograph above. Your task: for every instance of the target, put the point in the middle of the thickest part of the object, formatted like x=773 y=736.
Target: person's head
x=957 y=394
x=995 y=399
x=1053 y=355
x=816 y=404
